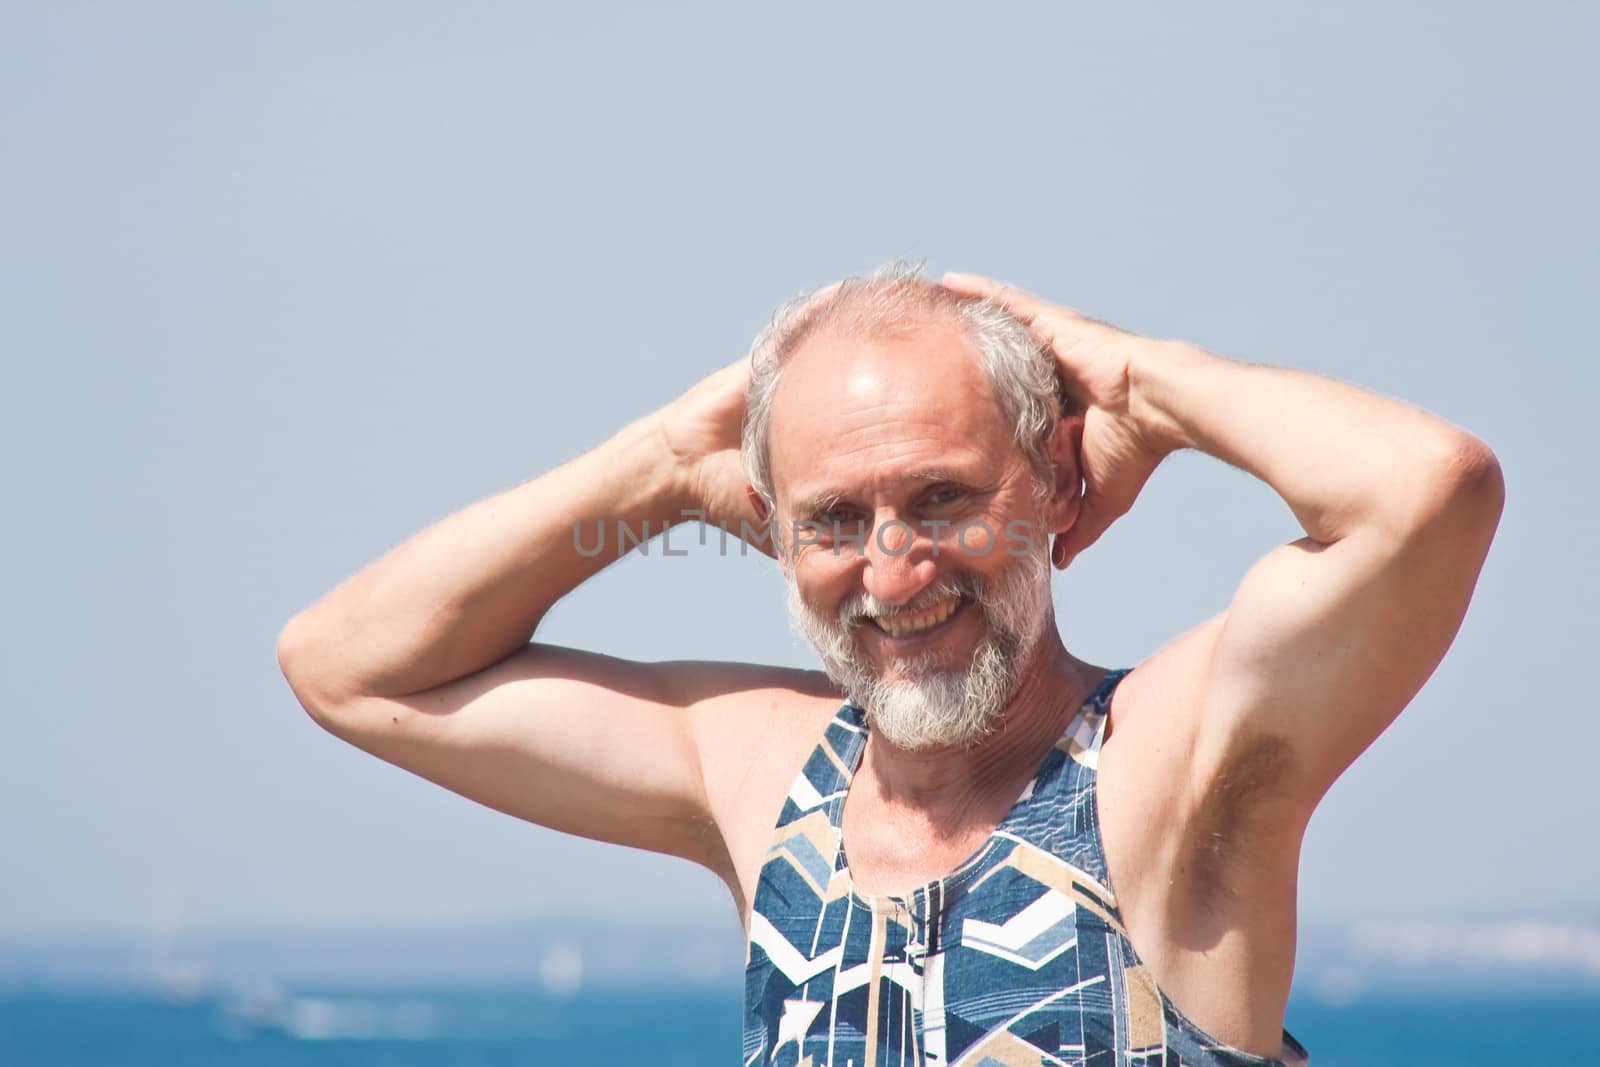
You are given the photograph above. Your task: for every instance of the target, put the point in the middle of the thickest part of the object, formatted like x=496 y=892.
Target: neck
x=1052 y=686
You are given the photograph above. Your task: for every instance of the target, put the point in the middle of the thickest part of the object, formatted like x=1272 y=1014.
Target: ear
x=758 y=505
x=764 y=517
x=1066 y=452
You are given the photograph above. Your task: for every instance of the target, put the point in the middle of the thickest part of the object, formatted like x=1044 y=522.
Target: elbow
x=1465 y=492
x=1472 y=478
x=297 y=649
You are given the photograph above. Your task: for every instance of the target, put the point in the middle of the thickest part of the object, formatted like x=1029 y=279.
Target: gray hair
x=895 y=299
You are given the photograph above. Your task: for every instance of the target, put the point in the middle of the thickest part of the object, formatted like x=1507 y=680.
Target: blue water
x=440 y=1029
x=458 y=1028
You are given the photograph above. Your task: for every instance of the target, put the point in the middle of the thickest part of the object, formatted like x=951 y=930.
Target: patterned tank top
x=1018 y=956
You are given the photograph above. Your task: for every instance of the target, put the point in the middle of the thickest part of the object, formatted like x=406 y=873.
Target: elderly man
x=1036 y=873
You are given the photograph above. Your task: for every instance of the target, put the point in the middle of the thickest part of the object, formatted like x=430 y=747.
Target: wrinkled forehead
x=849 y=409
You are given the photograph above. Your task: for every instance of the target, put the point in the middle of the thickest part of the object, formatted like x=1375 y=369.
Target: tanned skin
x=1219 y=745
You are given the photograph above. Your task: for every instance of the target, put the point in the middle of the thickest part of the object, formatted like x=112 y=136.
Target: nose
x=899 y=563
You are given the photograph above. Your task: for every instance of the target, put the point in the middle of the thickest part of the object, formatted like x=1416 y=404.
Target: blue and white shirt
x=1018 y=956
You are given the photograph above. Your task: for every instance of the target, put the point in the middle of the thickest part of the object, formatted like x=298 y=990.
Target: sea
x=489 y=1027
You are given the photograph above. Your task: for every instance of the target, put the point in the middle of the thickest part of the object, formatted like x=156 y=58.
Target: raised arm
x=1329 y=636
x=423 y=658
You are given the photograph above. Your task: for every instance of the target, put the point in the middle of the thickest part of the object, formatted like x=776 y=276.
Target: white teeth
x=902 y=627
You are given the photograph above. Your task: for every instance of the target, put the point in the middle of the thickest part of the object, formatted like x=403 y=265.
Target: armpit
x=1238 y=817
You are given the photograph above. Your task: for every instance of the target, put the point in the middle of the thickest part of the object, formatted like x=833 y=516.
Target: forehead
x=860 y=414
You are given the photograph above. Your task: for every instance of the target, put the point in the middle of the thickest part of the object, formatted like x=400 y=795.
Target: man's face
x=936 y=587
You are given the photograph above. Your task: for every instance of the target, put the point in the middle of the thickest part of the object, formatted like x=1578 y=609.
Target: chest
x=891 y=850
x=925 y=946
x=915 y=913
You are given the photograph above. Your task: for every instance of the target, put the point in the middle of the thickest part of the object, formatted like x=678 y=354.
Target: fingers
x=1022 y=305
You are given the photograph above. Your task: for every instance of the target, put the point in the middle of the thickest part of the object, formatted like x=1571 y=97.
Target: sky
x=282 y=284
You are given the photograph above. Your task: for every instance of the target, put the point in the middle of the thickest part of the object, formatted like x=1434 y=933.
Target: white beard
x=929 y=706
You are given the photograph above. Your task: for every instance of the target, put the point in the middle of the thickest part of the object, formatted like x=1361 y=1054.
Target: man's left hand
x=1118 y=452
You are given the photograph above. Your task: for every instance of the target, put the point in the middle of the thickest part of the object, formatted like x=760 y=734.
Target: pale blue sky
x=283 y=283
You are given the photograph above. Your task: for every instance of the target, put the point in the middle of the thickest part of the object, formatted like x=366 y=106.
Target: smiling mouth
x=912 y=624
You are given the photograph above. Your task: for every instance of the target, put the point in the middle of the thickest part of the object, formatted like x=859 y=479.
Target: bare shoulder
x=755 y=713
x=753 y=736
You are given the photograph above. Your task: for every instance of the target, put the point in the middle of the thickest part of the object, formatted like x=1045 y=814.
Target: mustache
x=856 y=610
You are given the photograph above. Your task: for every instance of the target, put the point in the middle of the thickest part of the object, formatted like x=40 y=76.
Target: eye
x=946 y=494
x=838 y=516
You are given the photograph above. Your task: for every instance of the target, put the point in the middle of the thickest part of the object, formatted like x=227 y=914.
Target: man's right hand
x=701 y=430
